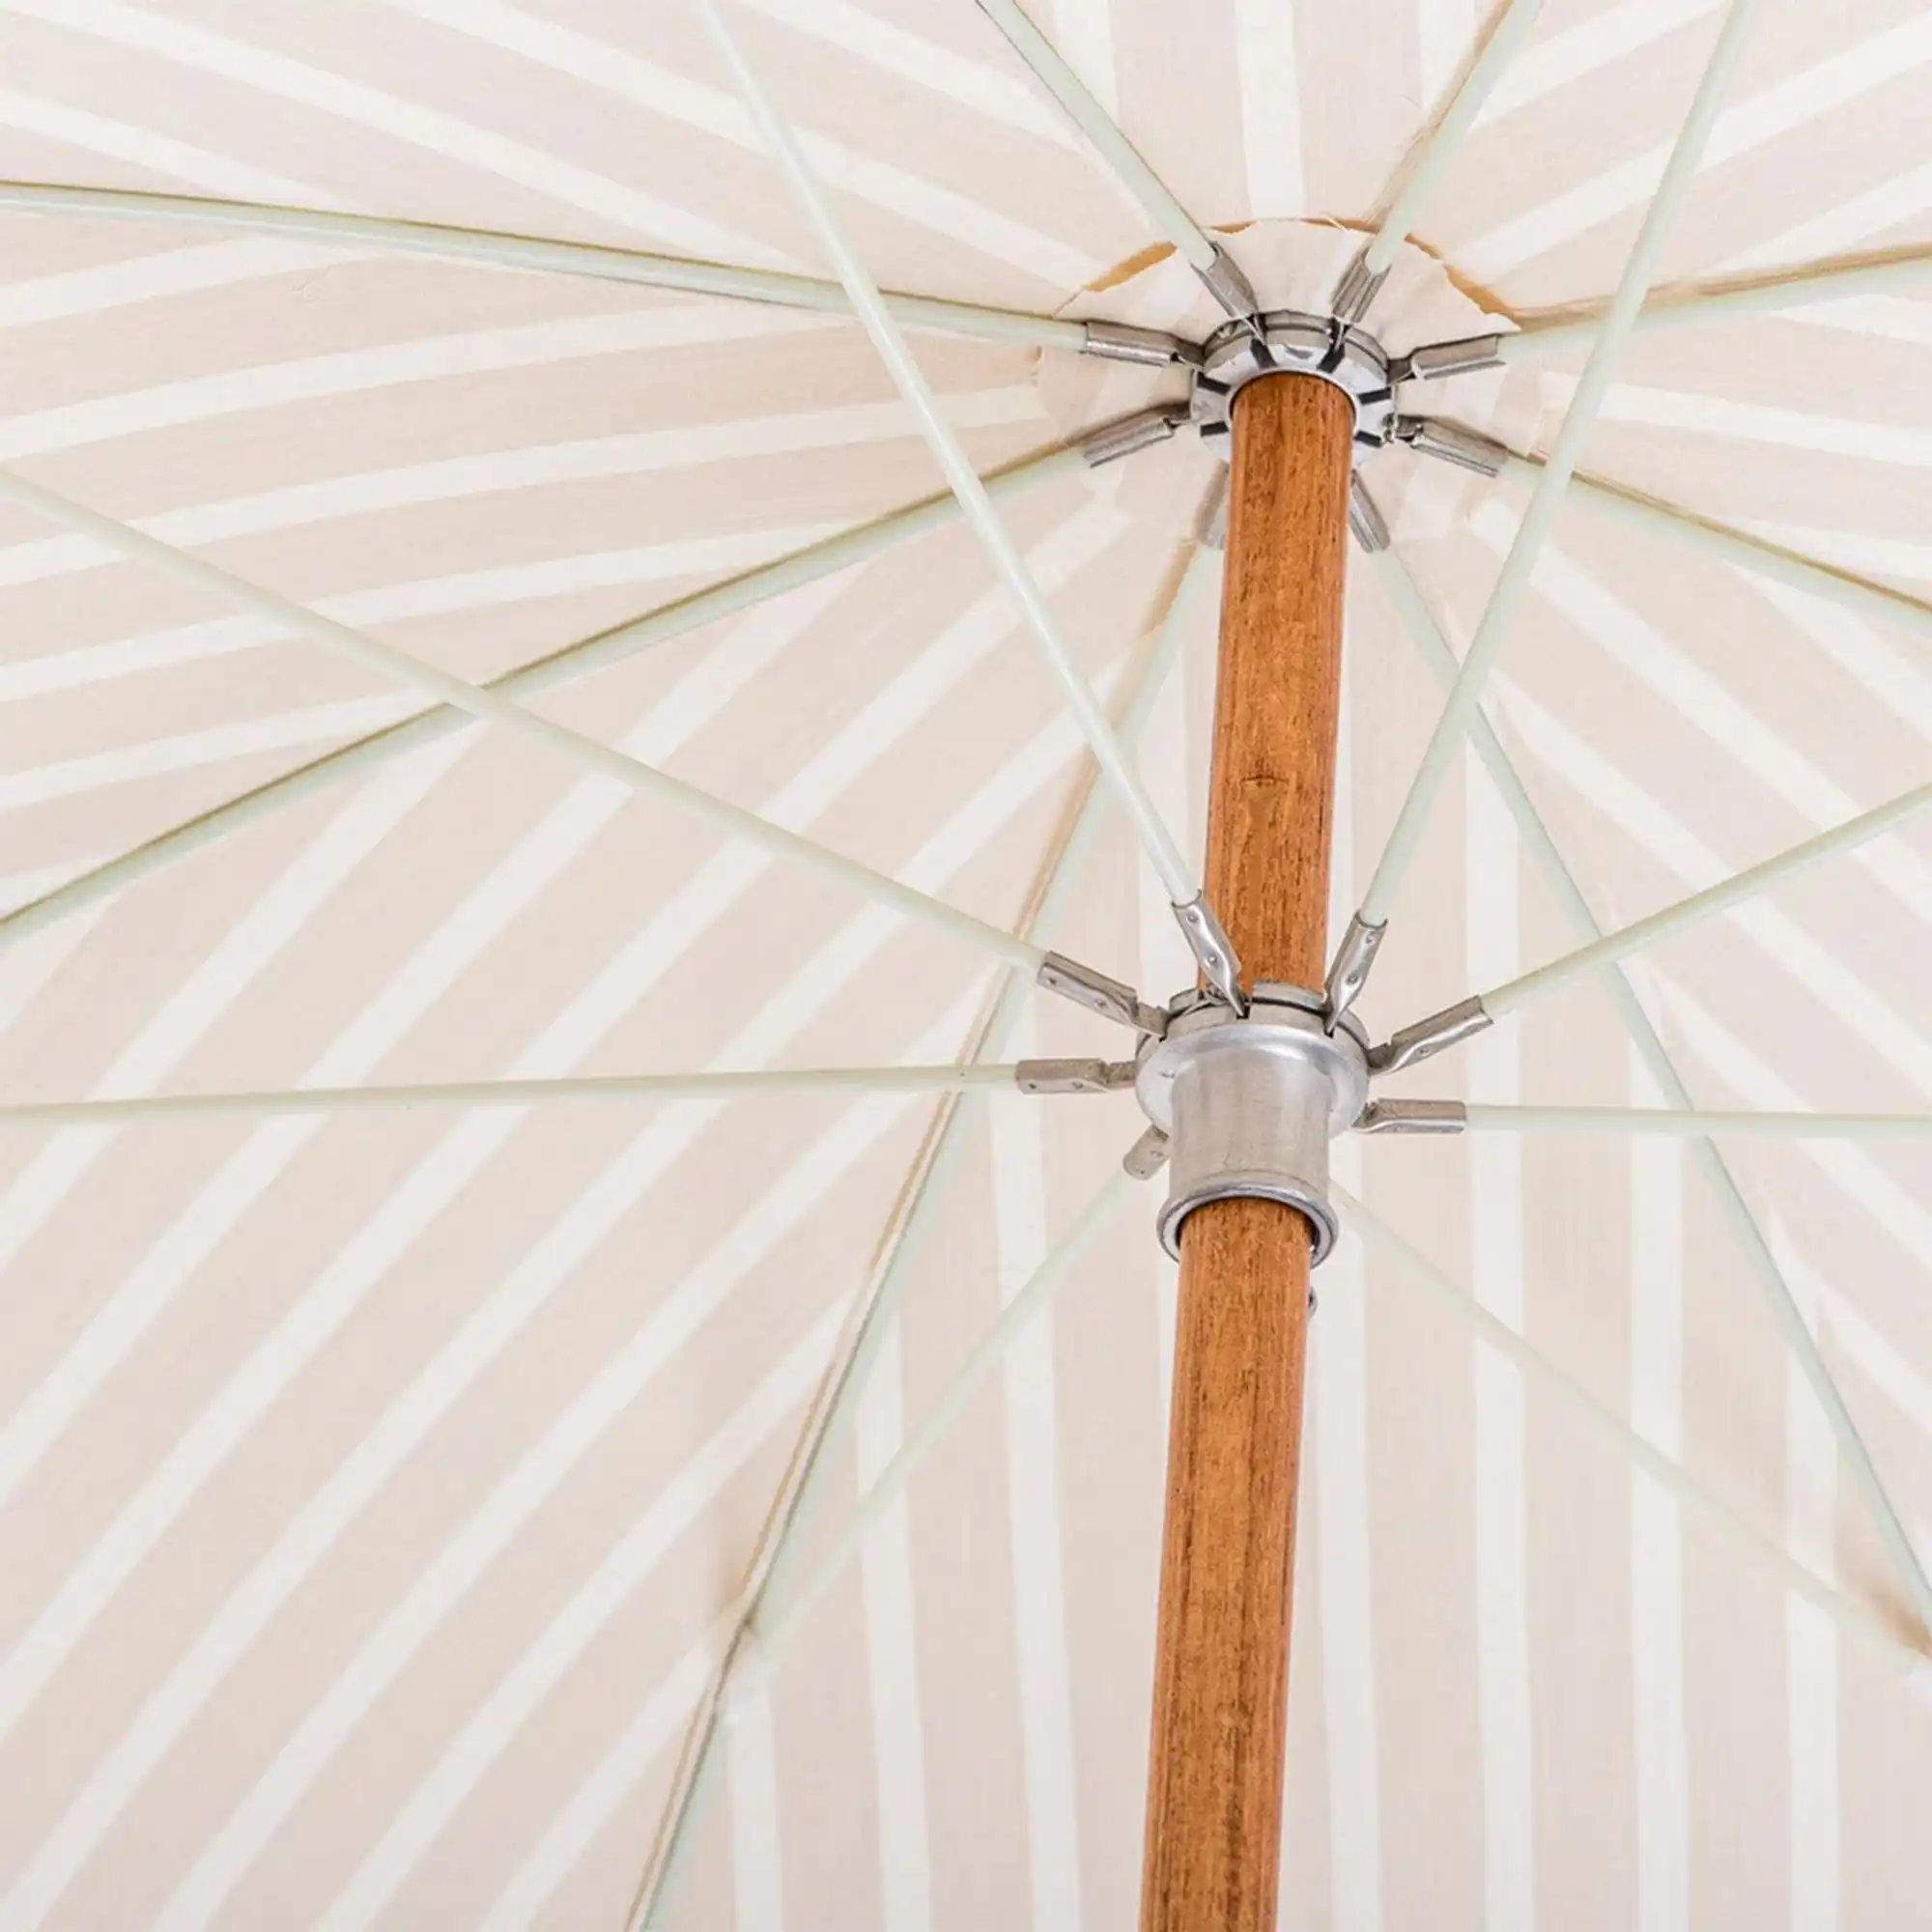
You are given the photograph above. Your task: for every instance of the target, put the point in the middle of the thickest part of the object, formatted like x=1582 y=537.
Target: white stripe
x=366 y=492
x=1890 y=676
x=757 y=1862
x=720 y=114
x=1443 y=31
x=18 y=889
x=1017 y=1128
x=609 y=997
x=1083 y=30
x=630 y=1563
x=429 y=358
x=1892 y=318
x=1896 y=200
x=1662 y=1752
x=1503 y=1604
x=891 y=1656
x=1761 y=422
x=1811 y=1657
x=1816 y=89
x=1339 y=1390
x=1883 y=1363
x=26 y=968
x=156 y=757
x=424 y=597
x=1271 y=108
x=960 y=81
x=404 y=121
x=1557 y=58
x=169 y=272
x=77 y=127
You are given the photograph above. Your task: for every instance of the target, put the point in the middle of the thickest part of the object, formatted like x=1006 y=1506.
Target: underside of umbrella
x=754 y=754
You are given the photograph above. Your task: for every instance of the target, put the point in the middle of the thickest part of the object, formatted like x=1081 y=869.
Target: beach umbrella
x=963 y=964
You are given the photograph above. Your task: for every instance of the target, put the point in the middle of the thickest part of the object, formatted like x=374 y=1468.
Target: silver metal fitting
x=1354 y=959
x=1213 y=951
x=1358 y=286
x=1111 y=999
x=1224 y=280
x=1414 y=1116
x=1073 y=1076
x=1123 y=342
x=1249 y=1103
x=1366 y=523
x=1426 y=1038
x=1147 y=1156
x=1451 y=442
x=1292 y=344
x=1115 y=440
x=1434 y=361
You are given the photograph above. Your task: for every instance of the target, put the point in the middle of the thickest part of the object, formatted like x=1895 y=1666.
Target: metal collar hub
x=1249 y=1103
x=1292 y=344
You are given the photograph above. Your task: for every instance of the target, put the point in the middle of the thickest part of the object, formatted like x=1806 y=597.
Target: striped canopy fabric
x=380 y=1490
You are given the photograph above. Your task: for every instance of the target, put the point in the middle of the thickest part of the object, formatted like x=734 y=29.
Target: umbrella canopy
x=412 y=1502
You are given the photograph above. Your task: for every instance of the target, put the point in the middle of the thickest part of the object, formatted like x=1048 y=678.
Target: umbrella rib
x=1128 y=166
x=1889 y=1643
x=1419 y=176
x=1690 y=302
x=1427 y=636
x=1547 y=499
x=1739 y=547
x=980 y=1360
x=813 y=1463
x=496 y=248
x=1672 y=919
x=572 y=660
x=1183 y=888
x=1698 y=1123
x=510 y=1093
x=492 y=707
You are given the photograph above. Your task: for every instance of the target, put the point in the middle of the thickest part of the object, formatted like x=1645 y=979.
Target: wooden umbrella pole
x=1228 y=1558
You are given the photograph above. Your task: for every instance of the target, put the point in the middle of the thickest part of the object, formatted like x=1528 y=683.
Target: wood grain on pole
x=1228 y=1554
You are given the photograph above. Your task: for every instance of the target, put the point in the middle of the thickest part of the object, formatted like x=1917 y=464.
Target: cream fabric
x=370 y=1492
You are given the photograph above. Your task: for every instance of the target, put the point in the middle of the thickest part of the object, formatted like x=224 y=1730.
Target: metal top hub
x=1291 y=343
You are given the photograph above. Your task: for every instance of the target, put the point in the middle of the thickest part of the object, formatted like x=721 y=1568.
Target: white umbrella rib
x=1749 y=553
x=1420 y=623
x=494 y=248
x=1697 y=303
x=1197 y=922
x=1672 y=919
x=1696 y=1123
x=1888 y=1644
x=510 y=1093
x=1157 y=201
x=492 y=707
x=1431 y=161
x=772 y=1572
x=1547 y=499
